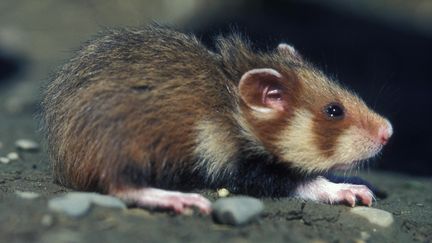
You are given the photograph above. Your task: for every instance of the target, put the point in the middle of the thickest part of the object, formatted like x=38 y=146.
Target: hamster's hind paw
x=154 y=198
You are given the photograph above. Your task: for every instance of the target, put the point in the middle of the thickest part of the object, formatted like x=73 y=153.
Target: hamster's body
x=137 y=110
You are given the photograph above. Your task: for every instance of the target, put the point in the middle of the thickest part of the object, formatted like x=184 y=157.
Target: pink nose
x=385 y=132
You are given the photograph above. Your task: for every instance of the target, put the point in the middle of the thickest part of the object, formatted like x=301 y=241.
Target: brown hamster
x=139 y=112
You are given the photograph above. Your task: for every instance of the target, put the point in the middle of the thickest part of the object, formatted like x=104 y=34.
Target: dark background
x=382 y=51
x=389 y=65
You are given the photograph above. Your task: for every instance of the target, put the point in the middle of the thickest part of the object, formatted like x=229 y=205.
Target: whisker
x=379 y=93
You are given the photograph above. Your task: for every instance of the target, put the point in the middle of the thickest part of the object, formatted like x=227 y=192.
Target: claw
x=348 y=197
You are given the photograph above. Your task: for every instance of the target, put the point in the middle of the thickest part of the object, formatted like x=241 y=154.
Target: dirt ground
x=284 y=220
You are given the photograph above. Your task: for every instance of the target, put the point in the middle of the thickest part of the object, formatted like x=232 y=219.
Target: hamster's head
x=306 y=119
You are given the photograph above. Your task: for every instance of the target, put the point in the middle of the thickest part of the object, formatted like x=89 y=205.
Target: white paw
x=322 y=190
x=162 y=199
x=179 y=202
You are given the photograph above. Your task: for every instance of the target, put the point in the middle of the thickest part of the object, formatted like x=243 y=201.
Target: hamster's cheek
x=355 y=145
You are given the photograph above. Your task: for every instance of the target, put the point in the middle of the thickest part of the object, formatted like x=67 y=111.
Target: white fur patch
x=263 y=113
x=287 y=48
x=315 y=189
x=262 y=109
x=215 y=146
x=297 y=141
x=323 y=190
x=269 y=71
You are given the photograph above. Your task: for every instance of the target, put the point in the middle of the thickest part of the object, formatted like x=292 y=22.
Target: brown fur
x=128 y=109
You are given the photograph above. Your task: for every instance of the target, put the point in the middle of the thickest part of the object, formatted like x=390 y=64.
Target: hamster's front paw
x=348 y=193
x=322 y=190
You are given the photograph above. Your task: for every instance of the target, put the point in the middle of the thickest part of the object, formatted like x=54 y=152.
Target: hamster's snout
x=385 y=132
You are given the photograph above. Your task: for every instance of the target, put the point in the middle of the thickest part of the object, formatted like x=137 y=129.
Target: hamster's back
x=125 y=93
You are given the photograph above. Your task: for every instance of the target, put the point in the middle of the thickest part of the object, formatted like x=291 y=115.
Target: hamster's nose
x=385 y=132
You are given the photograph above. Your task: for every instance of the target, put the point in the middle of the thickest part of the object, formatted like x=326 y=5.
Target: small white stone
x=375 y=216
x=12 y=156
x=27 y=145
x=364 y=235
x=72 y=206
x=188 y=212
x=223 y=192
x=27 y=195
x=47 y=220
x=4 y=160
x=105 y=200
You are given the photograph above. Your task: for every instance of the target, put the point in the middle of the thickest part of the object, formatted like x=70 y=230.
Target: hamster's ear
x=261 y=89
x=288 y=51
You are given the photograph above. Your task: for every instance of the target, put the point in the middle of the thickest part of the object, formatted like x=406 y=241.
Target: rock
x=47 y=220
x=27 y=145
x=72 y=206
x=12 y=156
x=27 y=195
x=105 y=201
x=77 y=204
x=236 y=210
x=187 y=212
x=364 y=235
x=4 y=160
x=223 y=192
x=375 y=216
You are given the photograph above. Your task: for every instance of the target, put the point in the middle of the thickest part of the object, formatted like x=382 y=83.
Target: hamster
x=149 y=114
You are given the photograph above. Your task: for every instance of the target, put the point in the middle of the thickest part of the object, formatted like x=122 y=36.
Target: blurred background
x=382 y=49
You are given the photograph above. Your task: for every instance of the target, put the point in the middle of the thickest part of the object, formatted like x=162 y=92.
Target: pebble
x=104 y=200
x=223 y=192
x=237 y=210
x=47 y=220
x=27 y=195
x=27 y=145
x=77 y=204
x=4 y=160
x=72 y=206
x=375 y=216
x=364 y=235
x=12 y=156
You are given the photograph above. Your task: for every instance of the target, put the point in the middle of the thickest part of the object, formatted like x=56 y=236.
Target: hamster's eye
x=334 y=111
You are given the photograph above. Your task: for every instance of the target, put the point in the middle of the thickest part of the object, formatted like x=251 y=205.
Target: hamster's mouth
x=346 y=166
